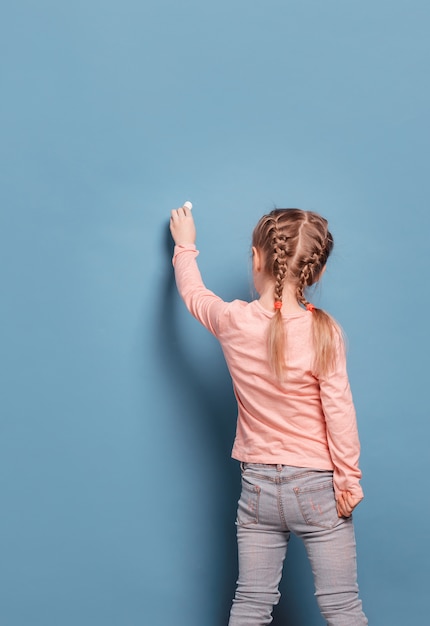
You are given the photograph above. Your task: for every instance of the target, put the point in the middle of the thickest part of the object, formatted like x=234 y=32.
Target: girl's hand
x=182 y=226
x=346 y=503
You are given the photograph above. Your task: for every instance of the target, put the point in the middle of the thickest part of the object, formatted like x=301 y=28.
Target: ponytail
x=325 y=333
x=277 y=345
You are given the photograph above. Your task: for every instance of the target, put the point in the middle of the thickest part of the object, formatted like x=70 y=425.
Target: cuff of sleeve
x=179 y=249
x=356 y=491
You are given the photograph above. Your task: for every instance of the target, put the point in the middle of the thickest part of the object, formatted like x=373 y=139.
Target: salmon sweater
x=307 y=420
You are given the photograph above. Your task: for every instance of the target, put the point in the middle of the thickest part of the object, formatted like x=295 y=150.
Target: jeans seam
x=280 y=507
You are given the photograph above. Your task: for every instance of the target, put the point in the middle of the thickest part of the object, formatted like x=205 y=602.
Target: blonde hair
x=296 y=245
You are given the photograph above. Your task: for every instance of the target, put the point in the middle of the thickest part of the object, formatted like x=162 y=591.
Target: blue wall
x=117 y=492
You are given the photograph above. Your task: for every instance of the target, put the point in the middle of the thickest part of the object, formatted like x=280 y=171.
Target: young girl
x=296 y=433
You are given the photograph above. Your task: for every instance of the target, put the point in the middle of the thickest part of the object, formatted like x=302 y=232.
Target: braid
x=310 y=272
x=280 y=266
x=300 y=295
x=276 y=339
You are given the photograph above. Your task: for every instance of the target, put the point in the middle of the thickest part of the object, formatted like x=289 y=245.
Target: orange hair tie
x=278 y=305
x=310 y=307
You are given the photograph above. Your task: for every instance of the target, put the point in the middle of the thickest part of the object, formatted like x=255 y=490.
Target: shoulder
x=240 y=313
x=239 y=308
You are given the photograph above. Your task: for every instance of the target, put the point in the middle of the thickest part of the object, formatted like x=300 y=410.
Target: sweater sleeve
x=202 y=303
x=341 y=425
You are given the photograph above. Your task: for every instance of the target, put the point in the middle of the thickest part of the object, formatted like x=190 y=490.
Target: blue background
x=117 y=491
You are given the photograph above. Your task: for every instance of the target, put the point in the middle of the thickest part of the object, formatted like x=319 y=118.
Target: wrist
x=185 y=244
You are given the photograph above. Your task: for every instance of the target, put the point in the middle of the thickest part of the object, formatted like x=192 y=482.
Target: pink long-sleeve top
x=306 y=421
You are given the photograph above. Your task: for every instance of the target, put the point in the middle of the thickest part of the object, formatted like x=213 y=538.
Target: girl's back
x=296 y=434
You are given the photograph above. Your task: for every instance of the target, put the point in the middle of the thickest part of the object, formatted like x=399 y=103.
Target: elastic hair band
x=278 y=305
x=310 y=307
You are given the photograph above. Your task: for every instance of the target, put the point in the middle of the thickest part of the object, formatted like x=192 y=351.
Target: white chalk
x=188 y=205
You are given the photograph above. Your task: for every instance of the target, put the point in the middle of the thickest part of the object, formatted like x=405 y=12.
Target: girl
x=296 y=433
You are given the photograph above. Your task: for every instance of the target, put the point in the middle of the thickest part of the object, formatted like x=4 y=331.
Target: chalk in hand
x=188 y=205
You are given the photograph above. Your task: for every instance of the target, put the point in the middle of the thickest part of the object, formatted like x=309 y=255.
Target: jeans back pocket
x=247 y=510
x=318 y=504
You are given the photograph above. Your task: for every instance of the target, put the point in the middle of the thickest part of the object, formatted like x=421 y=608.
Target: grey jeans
x=277 y=500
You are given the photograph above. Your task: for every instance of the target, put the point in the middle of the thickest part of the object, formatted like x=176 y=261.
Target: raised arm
x=202 y=303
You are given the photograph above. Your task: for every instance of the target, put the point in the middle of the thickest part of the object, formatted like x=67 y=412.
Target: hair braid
x=308 y=275
x=280 y=266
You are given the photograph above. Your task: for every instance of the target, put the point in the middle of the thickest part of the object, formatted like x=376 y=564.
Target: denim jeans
x=277 y=500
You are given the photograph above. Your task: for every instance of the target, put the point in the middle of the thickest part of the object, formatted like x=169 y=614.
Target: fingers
x=346 y=503
x=353 y=500
x=176 y=214
x=342 y=509
x=182 y=212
